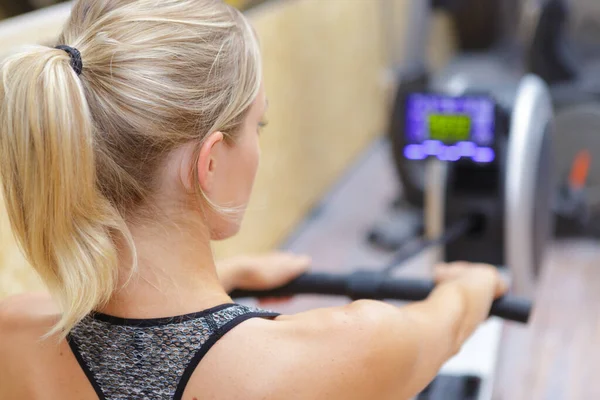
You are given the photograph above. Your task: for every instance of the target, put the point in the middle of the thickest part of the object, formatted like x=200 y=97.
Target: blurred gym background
x=328 y=173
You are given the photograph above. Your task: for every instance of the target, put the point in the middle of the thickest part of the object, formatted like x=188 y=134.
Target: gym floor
x=555 y=357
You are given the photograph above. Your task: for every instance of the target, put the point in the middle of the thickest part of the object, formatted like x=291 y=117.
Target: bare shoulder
x=319 y=354
x=33 y=366
x=24 y=319
x=26 y=312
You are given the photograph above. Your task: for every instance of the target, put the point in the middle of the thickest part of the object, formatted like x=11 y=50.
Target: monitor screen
x=450 y=128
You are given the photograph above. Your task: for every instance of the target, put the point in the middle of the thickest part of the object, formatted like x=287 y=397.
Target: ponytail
x=84 y=135
x=62 y=222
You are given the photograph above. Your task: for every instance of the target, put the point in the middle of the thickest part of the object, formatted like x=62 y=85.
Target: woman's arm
x=375 y=349
x=450 y=315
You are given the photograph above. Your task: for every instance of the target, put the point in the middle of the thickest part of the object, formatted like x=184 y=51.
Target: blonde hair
x=79 y=154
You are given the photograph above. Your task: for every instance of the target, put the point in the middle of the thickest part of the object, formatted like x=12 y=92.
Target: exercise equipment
x=480 y=197
x=475 y=158
x=498 y=172
x=377 y=285
x=487 y=198
x=487 y=63
x=507 y=200
x=565 y=55
x=549 y=56
x=496 y=147
x=569 y=62
x=577 y=142
x=565 y=60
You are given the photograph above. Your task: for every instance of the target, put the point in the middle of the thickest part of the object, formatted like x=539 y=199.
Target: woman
x=124 y=151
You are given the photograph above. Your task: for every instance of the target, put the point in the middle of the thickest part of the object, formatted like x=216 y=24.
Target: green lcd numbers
x=449 y=128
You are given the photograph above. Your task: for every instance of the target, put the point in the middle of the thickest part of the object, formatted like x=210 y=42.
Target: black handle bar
x=377 y=286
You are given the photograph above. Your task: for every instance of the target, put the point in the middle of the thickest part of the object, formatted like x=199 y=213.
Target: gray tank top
x=150 y=359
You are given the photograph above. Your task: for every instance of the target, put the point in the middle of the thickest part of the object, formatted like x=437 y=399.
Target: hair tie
x=76 y=61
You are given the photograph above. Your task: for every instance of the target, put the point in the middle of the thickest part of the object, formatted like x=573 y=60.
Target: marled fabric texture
x=146 y=359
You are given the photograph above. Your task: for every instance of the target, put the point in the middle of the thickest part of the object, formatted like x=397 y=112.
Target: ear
x=210 y=149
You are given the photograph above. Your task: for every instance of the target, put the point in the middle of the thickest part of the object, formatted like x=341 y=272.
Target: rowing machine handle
x=377 y=286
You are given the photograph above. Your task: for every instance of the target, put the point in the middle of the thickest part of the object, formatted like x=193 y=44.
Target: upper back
x=360 y=351
x=106 y=357
x=29 y=366
x=320 y=354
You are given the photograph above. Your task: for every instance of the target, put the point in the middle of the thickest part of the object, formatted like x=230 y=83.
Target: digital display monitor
x=450 y=128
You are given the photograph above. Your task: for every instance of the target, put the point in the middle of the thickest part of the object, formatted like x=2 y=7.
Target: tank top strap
x=221 y=324
x=151 y=358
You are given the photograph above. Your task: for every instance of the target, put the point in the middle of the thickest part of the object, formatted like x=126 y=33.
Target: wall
x=325 y=73
x=323 y=70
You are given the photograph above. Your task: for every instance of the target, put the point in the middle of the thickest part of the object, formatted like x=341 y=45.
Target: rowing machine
x=487 y=199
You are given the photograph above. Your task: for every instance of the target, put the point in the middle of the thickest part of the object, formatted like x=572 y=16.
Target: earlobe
x=207 y=160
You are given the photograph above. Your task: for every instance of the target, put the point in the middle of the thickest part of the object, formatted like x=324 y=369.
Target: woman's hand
x=465 y=270
x=261 y=272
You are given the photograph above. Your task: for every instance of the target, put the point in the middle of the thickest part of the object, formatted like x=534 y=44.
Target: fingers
x=502 y=287
x=290 y=260
x=288 y=267
x=445 y=272
x=299 y=264
x=285 y=266
x=272 y=270
x=456 y=270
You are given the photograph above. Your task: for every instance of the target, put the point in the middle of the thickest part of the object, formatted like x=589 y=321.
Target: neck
x=176 y=273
